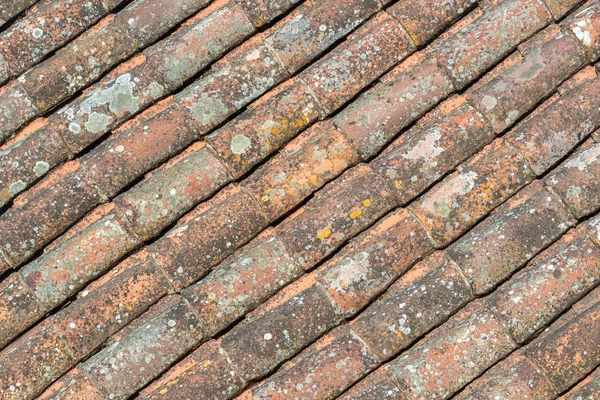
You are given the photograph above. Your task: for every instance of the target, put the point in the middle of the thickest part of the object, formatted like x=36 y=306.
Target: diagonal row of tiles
x=369 y=203
x=85 y=59
x=173 y=124
x=47 y=26
x=131 y=88
x=11 y=9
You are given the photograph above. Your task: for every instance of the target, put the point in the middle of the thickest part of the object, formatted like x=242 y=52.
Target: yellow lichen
x=367 y=202
x=163 y=391
x=398 y=184
x=357 y=213
x=324 y=233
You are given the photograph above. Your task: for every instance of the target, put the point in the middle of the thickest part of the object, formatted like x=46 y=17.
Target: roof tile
x=365 y=55
x=261 y=343
x=264 y=127
x=419 y=157
x=496 y=33
x=302 y=167
x=575 y=180
x=392 y=323
x=47 y=213
x=380 y=113
x=322 y=371
x=314 y=28
x=74 y=385
x=335 y=214
x=510 y=236
x=422 y=21
x=457 y=203
x=173 y=189
x=519 y=88
x=373 y=260
x=33 y=362
x=18 y=307
x=553 y=281
x=586 y=27
x=220 y=226
x=451 y=356
x=205 y=374
x=88 y=322
x=171 y=331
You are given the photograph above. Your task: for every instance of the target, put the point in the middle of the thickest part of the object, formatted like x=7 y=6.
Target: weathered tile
x=370 y=262
x=249 y=276
x=336 y=213
x=463 y=198
x=72 y=386
x=452 y=355
x=552 y=282
x=375 y=386
x=314 y=28
x=419 y=157
x=383 y=111
x=322 y=371
x=586 y=27
x=217 y=228
x=173 y=189
x=392 y=323
x=481 y=44
x=302 y=167
x=516 y=377
x=205 y=374
x=265 y=126
x=378 y=45
x=510 y=236
x=16 y=108
x=33 y=362
x=519 y=88
x=19 y=307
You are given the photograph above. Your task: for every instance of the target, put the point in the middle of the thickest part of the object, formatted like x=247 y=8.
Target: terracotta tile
x=370 y=262
x=28 y=159
x=481 y=44
x=250 y=275
x=243 y=75
x=180 y=56
x=47 y=26
x=519 y=88
x=316 y=27
x=552 y=282
x=589 y=388
x=87 y=322
x=47 y=212
x=173 y=189
x=261 y=12
x=513 y=378
x=423 y=22
x=575 y=181
x=419 y=157
x=264 y=127
x=11 y=9
x=393 y=323
x=72 y=386
x=452 y=355
x=571 y=352
x=586 y=25
x=353 y=65
x=550 y=135
x=138 y=146
x=148 y=20
x=18 y=307
x=380 y=113
x=16 y=108
x=217 y=228
x=108 y=103
x=141 y=355
x=207 y=374
x=60 y=273
x=376 y=386
x=302 y=167
x=510 y=236
x=479 y=185
x=34 y=362
x=322 y=371
x=261 y=343
x=335 y=214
